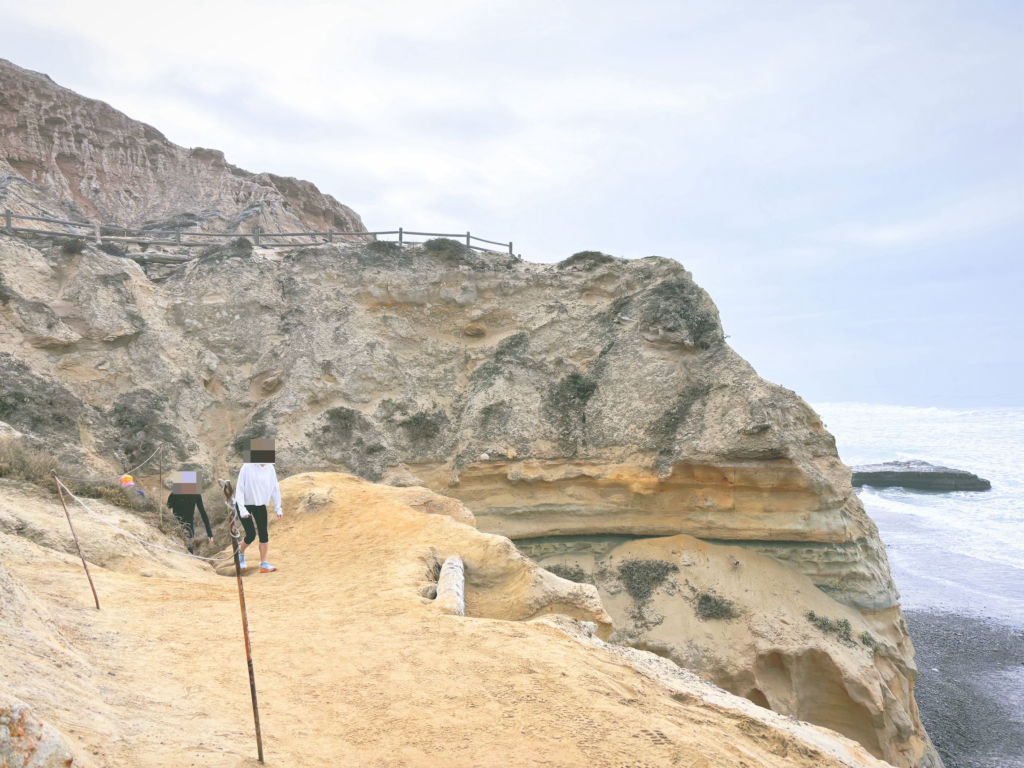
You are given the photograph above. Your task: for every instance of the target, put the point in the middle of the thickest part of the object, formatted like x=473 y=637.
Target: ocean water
x=957 y=552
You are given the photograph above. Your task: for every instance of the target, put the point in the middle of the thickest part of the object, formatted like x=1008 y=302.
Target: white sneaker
x=241 y=560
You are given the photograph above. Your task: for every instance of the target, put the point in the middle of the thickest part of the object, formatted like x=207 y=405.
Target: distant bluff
x=65 y=156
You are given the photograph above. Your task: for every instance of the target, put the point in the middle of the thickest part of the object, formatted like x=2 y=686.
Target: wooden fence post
x=177 y=235
x=330 y=236
x=399 y=237
x=7 y=221
x=510 y=253
x=256 y=235
x=96 y=228
x=467 y=239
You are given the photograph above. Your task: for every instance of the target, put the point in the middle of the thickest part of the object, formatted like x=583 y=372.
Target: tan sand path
x=353 y=666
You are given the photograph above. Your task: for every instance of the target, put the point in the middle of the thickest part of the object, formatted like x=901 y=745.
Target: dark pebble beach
x=971 y=688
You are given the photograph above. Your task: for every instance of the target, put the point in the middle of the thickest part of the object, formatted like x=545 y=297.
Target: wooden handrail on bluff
x=107 y=232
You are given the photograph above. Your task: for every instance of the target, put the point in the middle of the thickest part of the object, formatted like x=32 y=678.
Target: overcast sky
x=845 y=178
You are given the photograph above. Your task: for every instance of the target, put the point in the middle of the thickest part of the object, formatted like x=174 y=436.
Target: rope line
x=143 y=541
x=118 y=476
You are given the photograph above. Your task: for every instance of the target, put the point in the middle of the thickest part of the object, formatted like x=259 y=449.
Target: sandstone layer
x=353 y=665
x=65 y=156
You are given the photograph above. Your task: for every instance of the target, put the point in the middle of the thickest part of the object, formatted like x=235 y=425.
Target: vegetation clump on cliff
x=421 y=426
x=711 y=606
x=141 y=429
x=665 y=430
x=642 y=577
x=32 y=403
x=841 y=628
x=570 y=572
x=567 y=403
x=510 y=352
x=586 y=260
x=679 y=310
x=73 y=247
x=383 y=253
x=348 y=437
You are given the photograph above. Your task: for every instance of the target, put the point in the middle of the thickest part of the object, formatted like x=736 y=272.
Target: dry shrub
x=20 y=460
x=73 y=247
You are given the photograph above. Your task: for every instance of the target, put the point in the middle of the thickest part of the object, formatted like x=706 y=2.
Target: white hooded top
x=256 y=485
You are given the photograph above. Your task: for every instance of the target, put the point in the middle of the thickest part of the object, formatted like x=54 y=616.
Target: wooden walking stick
x=75 y=536
x=160 y=490
x=229 y=493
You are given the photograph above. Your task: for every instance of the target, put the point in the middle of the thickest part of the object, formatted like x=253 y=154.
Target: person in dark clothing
x=184 y=499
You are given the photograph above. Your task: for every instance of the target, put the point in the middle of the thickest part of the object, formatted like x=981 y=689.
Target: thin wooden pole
x=75 y=536
x=228 y=494
x=160 y=490
x=7 y=221
x=399 y=237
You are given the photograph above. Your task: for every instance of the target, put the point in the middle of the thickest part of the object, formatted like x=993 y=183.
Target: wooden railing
x=179 y=236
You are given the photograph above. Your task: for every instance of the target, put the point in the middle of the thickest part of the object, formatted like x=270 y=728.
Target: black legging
x=259 y=514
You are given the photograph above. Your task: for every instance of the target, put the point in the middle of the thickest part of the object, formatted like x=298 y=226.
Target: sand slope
x=354 y=667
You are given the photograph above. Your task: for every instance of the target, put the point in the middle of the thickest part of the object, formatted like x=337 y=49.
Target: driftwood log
x=451 y=587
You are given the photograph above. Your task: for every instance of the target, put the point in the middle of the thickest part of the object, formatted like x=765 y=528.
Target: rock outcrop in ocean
x=590 y=410
x=918 y=474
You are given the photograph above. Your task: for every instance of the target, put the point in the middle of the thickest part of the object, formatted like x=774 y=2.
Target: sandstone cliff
x=591 y=411
x=566 y=405
x=66 y=156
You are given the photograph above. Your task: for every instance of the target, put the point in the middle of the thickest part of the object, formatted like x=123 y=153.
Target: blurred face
x=185 y=482
x=258 y=451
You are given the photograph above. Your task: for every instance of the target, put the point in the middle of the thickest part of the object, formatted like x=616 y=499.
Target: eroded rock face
x=92 y=162
x=762 y=631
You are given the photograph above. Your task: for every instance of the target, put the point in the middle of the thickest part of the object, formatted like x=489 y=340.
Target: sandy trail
x=353 y=667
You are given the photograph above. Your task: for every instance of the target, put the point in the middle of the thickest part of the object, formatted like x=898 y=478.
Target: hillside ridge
x=63 y=155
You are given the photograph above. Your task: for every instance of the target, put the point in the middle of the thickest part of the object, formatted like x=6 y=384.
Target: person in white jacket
x=257 y=484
